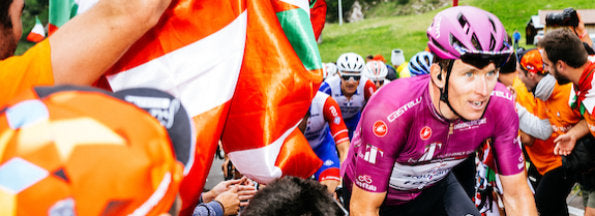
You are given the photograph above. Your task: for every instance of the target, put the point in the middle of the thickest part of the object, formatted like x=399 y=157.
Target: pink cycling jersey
x=402 y=145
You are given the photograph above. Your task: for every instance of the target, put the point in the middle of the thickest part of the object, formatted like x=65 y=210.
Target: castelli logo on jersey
x=380 y=128
x=425 y=133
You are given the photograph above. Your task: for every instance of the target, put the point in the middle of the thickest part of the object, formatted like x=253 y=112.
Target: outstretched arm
x=565 y=142
x=518 y=198
x=89 y=44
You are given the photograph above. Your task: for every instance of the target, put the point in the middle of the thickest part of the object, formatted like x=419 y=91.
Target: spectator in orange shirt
x=554 y=182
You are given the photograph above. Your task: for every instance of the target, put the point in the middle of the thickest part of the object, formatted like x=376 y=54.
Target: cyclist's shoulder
x=501 y=95
x=398 y=98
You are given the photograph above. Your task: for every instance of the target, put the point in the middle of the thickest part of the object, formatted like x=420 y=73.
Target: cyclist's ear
x=436 y=75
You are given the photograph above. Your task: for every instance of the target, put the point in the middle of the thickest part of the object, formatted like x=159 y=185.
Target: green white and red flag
x=37 y=33
x=60 y=12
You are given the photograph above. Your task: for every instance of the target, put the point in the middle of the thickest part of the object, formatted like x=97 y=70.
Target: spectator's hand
x=246 y=192
x=511 y=89
x=218 y=189
x=564 y=144
x=582 y=32
x=230 y=200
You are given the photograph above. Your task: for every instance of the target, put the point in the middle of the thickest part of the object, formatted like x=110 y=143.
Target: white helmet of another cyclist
x=376 y=70
x=351 y=63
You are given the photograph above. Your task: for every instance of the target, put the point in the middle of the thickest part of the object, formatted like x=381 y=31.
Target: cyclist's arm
x=332 y=115
x=367 y=203
x=90 y=43
x=518 y=198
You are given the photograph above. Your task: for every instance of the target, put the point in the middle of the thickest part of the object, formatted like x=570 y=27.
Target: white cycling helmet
x=376 y=70
x=351 y=63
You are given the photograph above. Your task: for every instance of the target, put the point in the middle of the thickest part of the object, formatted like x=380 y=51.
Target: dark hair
x=563 y=44
x=443 y=63
x=292 y=196
x=4 y=16
x=510 y=65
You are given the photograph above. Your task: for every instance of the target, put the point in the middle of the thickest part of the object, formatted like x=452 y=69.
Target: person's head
x=292 y=196
x=330 y=69
x=397 y=57
x=83 y=151
x=508 y=71
x=469 y=46
x=420 y=63
x=531 y=68
x=350 y=67
x=562 y=51
x=379 y=57
x=11 y=26
x=376 y=72
x=369 y=58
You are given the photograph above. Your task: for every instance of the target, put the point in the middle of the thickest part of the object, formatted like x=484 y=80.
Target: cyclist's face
x=527 y=79
x=470 y=88
x=349 y=82
x=378 y=83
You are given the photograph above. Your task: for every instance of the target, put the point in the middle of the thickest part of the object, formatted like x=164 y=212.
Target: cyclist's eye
x=469 y=74
x=491 y=73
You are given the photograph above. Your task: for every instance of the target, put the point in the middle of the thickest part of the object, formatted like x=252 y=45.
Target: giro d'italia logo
x=380 y=129
x=425 y=133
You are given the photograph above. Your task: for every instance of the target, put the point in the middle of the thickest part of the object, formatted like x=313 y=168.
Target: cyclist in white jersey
x=350 y=89
x=326 y=132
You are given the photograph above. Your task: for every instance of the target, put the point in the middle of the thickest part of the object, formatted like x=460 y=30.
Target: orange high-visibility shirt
x=562 y=118
x=19 y=73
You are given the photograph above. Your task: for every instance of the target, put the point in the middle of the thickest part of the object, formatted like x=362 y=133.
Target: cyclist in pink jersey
x=326 y=132
x=414 y=131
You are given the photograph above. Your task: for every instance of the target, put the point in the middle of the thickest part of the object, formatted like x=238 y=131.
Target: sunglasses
x=480 y=60
x=354 y=77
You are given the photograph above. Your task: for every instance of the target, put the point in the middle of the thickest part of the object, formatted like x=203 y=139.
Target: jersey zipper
x=450 y=131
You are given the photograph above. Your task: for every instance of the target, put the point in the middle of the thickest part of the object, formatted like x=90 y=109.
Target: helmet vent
x=426 y=60
x=492 y=42
x=492 y=23
x=415 y=68
x=475 y=42
x=464 y=23
x=456 y=43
